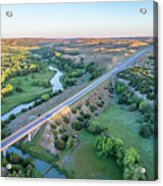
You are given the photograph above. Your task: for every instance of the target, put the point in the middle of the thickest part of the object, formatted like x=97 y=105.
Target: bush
x=87 y=103
x=127 y=158
x=80 y=118
x=64 y=137
x=45 y=97
x=94 y=127
x=74 y=111
x=92 y=108
x=144 y=107
x=53 y=126
x=146 y=130
x=78 y=107
x=66 y=119
x=62 y=130
x=11 y=117
x=57 y=123
x=69 y=143
x=77 y=126
x=55 y=132
x=60 y=144
x=24 y=110
x=133 y=107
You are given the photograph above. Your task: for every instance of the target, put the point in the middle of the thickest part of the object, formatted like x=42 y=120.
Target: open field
x=84 y=163
x=29 y=92
x=125 y=125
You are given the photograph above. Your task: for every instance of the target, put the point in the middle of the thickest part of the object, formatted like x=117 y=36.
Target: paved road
x=41 y=120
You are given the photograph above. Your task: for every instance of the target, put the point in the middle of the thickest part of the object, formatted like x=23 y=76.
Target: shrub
x=45 y=97
x=133 y=107
x=87 y=103
x=144 y=107
x=94 y=127
x=69 y=143
x=65 y=137
x=55 y=132
x=127 y=158
x=66 y=119
x=62 y=130
x=80 y=118
x=24 y=110
x=12 y=116
x=146 y=130
x=92 y=108
x=53 y=126
x=78 y=107
x=74 y=111
x=60 y=144
x=77 y=125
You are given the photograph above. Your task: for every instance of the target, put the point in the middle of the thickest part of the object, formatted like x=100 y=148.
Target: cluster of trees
x=82 y=121
x=16 y=65
x=62 y=138
x=41 y=83
x=140 y=80
x=127 y=158
x=63 y=142
x=93 y=70
x=134 y=102
x=20 y=167
x=95 y=127
x=6 y=90
x=72 y=71
x=15 y=62
x=45 y=97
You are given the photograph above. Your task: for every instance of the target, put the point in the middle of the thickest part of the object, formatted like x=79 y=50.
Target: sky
x=78 y=20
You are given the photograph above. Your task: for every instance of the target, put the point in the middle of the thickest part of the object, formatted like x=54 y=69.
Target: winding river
x=40 y=165
x=55 y=81
x=56 y=85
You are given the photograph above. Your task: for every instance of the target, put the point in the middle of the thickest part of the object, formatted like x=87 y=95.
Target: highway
x=16 y=136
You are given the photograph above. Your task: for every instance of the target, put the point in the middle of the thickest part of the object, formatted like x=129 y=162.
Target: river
x=56 y=85
x=40 y=165
x=55 y=81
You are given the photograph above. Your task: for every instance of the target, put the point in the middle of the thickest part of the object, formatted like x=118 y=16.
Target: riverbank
x=24 y=118
x=44 y=168
x=56 y=86
x=30 y=91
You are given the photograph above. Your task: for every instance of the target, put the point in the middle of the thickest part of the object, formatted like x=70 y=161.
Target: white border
x=55 y=182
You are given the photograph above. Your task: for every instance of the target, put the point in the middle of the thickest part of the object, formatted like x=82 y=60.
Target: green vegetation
x=124 y=124
x=127 y=158
x=84 y=163
x=93 y=70
x=29 y=91
x=95 y=127
x=60 y=144
x=20 y=167
x=128 y=97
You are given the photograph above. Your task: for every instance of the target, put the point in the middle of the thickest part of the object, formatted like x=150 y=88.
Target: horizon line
x=35 y=37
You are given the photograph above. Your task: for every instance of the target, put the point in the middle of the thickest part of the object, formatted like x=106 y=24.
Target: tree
x=60 y=144
x=94 y=127
x=45 y=97
x=127 y=158
x=144 y=107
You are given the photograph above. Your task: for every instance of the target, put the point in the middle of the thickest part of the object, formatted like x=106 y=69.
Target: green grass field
x=29 y=92
x=125 y=125
x=84 y=163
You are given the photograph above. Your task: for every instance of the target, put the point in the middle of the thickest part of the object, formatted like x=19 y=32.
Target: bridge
x=29 y=128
